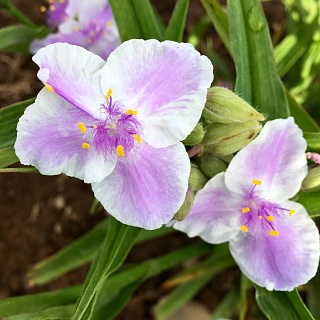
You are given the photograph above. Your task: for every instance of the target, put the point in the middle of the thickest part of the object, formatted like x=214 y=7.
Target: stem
x=194 y=150
x=20 y=16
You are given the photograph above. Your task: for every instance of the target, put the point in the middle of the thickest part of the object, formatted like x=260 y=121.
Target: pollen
x=257 y=182
x=134 y=112
x=137 y=137
x=109 y=93
x=50 y=89
x=244 y=228
x=82 y=127
x=76 y=29
x=85 y=146
x=120 y=151
x=291 y=212
x=244 y=210
x=52 y=8
x=95 y=126
x=270 y=218
x=260 y=217
x=109 y=24
x=274 y=233
x=42 y=9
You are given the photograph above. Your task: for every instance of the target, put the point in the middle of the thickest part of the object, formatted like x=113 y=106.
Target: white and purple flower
x=88 y=24
x=273 y=239
x=118 y=124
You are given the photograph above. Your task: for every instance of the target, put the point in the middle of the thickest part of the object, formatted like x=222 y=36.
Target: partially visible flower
x=273 y=240
x=118 y=124
x=88 y=24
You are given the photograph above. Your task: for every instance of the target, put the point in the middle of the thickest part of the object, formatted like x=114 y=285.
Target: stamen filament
x=120 y=151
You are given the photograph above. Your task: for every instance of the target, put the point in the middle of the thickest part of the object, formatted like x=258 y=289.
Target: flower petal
x=214 y=215
x=165 y=82
x=49 y=139
x=73 y=73
x=280 y=262
x=147 y=188
x=276 y=158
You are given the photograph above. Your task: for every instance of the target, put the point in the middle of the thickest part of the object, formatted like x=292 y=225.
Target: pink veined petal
x=148 y=187
x=215 y=214
x=276 y=158
x=165 y=82
x=73 y=73
x=49 y=138
x=280 y=262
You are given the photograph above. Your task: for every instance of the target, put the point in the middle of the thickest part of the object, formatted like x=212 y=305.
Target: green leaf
x=117 y=244
x=18 y=38
x=310 y=201
x=257 y=79
x=19 y=170
x=61 y=313
x=219 y=20
x=178 y=21
x=245 y=285
x=7 y=157
x=129 y=27
x=313 y=295
x=313 y=140
x=9 y=118
x=280 y=305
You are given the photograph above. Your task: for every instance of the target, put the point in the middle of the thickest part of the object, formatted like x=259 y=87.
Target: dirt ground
x=40 y=214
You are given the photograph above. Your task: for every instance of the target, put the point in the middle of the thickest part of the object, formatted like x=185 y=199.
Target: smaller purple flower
x=273 y=240
x=56 y=12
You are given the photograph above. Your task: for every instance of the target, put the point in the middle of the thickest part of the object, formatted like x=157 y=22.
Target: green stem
x=20 y=16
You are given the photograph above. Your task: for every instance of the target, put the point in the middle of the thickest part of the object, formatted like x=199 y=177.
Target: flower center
x=119 y=132
x=256 y=209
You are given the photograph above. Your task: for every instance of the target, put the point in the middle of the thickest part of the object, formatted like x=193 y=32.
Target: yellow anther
x=95 y=126
x=134 y=112
x=291 y=212
x=109 y=93
x=76 y=29
x=61 y=1
x=257 y=182
x=50 y=89
x=270 y=218
x=274 y=233
x=82 y=127
x=260 y=217
x=95 y=21
x=244 y=210
x=244 y=228
x=43 y=9
x=137 y=138
x=109 y=24
x=85 y=146
x=89 y=41
x=52 y=8
x=104 y=33
x=120 y=151
x=50 y=1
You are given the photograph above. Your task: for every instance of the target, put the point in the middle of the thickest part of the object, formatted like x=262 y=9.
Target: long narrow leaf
x=7 y=157
x=313 y=140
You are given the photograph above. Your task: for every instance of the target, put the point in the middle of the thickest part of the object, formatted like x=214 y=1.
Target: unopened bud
x=211 y=165
x=225 y=139
x=196 y=179
x=186 y=206
x=224 y=106
x=312 y=181
x=195 y=136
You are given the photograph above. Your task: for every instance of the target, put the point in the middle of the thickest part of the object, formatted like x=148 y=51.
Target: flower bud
x=224 y=106
x=225 y=139
x=211 y=165
x=195 y=136
x=196 y=179
x=312 y=181
x=186 y=206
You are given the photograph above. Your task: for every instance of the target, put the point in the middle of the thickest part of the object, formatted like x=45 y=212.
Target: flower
x=118 y=124
x=273 y=240
x=88 y=24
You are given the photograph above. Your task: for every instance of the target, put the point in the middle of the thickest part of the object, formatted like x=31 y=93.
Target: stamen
x=82 y=127
x=270 y=218
x=109 y=24
x=76 y=29
x=291 y=212
x=50 y=89
x=260 y=217
x=52 y=8
x=42 y=9
x=109 y=93
x=120 y=151
x=61 y=1
x=89 y=41
x=274 y=233
x=244 y=228
x=257 y=182
x=95 y=126
x=244 y=210
x=137 y=138
x=104 y=33
x=134 y=112
x=85 y=146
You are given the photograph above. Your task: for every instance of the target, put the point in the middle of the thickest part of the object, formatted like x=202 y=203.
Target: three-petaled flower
x=273 y=240
x=118 y=124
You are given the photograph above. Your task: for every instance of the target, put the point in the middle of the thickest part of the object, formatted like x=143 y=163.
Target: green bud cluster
x=312 y=181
